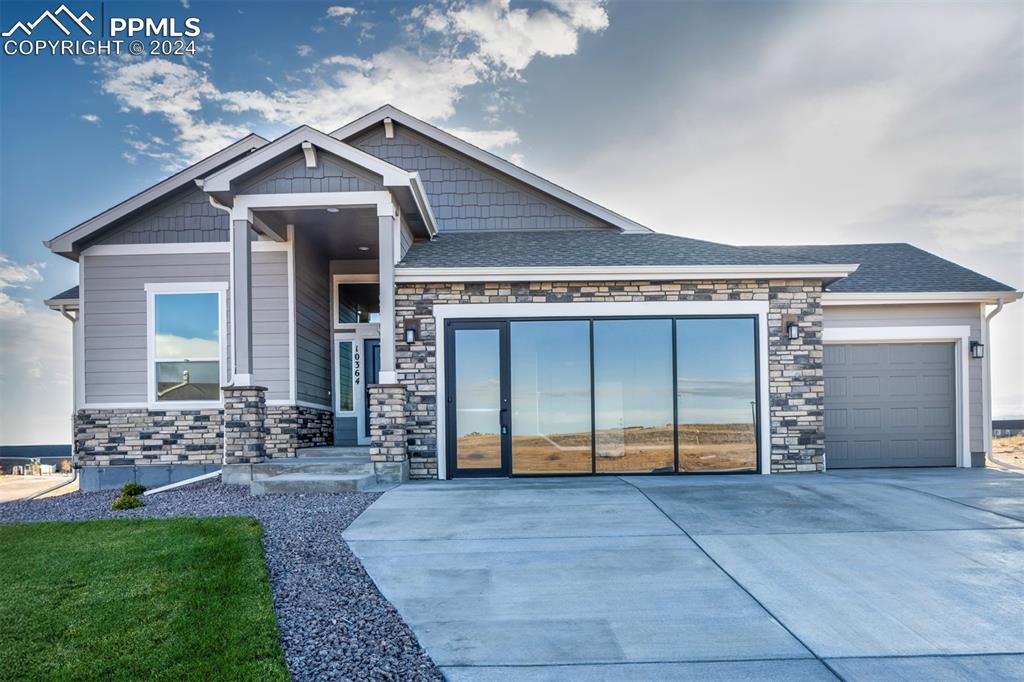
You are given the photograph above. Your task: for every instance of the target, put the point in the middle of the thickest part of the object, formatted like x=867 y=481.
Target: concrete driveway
x=866 y=575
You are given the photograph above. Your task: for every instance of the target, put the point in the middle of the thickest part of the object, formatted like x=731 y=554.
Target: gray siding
x=115 y=318
x=407 y=239
x=925 y=315
x=465 y=195
x=270 y=322
x=187 y=217
x=312 y=323
x=331 y=174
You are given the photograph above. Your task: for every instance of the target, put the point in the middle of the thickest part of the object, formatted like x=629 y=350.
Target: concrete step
x=309 y=484
x=313 y=465
x=335 y=451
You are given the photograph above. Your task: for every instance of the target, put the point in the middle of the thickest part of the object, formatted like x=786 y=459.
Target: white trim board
x=152 y=290
x=469 y=311
x=185 y=248
x=618 y=273
x=911 y=298
x=960 y=335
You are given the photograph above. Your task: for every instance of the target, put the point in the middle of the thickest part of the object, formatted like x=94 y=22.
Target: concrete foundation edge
x=93 y=479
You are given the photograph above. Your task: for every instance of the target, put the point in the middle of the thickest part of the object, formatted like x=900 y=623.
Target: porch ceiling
x=338 y=235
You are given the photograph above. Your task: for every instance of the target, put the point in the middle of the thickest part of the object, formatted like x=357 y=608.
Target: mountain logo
x=27 y=28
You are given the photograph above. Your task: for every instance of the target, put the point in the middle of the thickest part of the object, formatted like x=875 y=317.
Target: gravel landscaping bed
x=334 y=623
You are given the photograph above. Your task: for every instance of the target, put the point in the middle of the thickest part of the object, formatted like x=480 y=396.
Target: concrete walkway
x=907 y=574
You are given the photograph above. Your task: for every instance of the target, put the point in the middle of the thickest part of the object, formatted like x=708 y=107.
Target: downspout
x=74 y=453
x=988 y=383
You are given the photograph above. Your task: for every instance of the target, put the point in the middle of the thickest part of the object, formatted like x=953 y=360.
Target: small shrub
x=127 y=502
x=132 y=489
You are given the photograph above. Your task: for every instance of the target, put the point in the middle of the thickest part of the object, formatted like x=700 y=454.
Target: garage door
x=890 y=405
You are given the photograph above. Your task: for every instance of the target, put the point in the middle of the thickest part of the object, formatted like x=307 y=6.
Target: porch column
x=387 y=227
x=241 y=302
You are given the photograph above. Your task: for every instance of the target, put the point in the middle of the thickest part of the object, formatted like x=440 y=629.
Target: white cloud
x=490 y=42
x=173 y=346
x=91 y=118
x=16 y=276
x=509 y=39
x=490 y=140
x=35 y=366
x=343 y=15
x=304 y=50
x=176 y=92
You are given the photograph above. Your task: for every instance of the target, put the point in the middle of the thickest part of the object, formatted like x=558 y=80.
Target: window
x=633 y=420
x=186 y=346
x=346 y=394
x=716 y=394
x=550 y=374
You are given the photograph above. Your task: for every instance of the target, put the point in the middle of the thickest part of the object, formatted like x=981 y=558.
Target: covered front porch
x=344 y=219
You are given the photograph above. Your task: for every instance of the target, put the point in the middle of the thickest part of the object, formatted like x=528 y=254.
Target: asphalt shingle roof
x=70 y=294
x=883 y=267
x=893 y=268
x=594 y=248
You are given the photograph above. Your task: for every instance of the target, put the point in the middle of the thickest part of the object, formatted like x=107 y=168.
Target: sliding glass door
x=605 y=396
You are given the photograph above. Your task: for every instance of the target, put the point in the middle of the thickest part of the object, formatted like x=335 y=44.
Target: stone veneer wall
x=290 y=427
x=141 y=436
x=796 y=380
x=146 y=437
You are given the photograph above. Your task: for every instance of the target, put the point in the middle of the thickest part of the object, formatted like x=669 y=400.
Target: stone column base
x=388 y=424
x=245 y=416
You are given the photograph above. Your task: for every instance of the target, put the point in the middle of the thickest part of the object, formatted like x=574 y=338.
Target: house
x=439 y=312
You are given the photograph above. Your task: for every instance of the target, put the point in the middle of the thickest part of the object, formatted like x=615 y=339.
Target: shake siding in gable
x=185 y=218
x=330 y=175
x=115 y=318
x=312 y=323
x=464 y=194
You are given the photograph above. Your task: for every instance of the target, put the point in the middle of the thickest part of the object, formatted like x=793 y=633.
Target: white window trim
x=349 y=278
x=357 y=334
x=960 y=335
x=469 y=311
x=152 y=290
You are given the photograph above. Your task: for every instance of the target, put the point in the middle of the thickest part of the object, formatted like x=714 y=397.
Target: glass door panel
x=550 y=374
x=633 y=403
x=716 y=394
x=477 y=398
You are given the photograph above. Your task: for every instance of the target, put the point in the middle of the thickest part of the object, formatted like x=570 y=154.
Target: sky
x=742 y=123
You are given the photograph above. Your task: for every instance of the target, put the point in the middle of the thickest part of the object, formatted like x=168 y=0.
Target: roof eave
x=844 y=298
x=65 y=244
x=622 y=273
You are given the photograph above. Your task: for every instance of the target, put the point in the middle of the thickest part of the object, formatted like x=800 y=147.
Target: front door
x=478 y=398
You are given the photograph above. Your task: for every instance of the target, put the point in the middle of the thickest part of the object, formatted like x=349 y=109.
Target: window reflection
x=717 y=395
x=186 y=346
x=633 y=395
x=478 y=398
x=550 y=373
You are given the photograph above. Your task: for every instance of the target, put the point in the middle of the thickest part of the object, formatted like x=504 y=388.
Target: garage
x=890 y=405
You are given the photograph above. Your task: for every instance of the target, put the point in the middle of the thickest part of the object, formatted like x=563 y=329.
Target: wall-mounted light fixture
x=977 y=350
x=412 y=330
x=790 y=326
x=332 y=209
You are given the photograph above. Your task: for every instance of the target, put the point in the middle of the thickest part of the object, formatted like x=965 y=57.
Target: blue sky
x=736 y=122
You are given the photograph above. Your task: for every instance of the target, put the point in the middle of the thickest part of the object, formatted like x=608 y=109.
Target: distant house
x=392 y=287
x=20 y=455
x=1002 y=428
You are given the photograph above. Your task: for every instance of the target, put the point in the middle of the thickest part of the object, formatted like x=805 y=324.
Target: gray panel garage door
x=890 y=405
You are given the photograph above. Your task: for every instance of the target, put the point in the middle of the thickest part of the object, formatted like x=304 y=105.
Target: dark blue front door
x=371 y=351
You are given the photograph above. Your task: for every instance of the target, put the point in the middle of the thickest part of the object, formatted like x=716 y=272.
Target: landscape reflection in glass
x=717 y=395
x=478 y=398
x=633 y=395
x=550 y=372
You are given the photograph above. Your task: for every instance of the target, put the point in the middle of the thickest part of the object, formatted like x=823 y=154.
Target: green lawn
x=175 y=599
